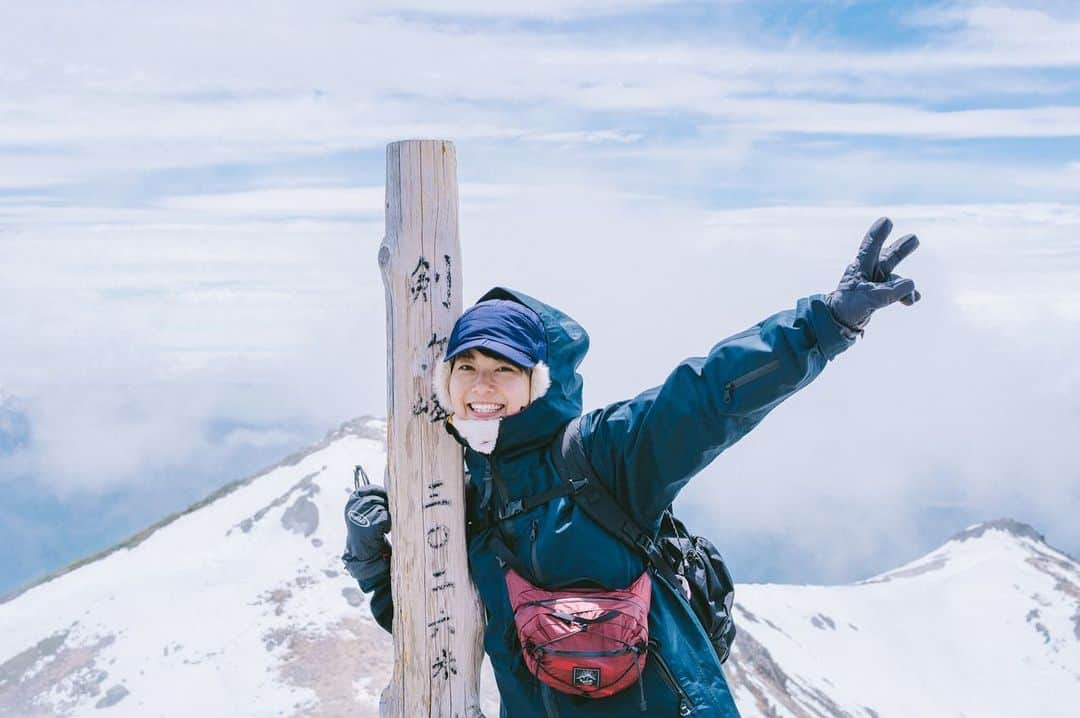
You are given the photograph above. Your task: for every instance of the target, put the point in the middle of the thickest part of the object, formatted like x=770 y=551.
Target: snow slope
x=239 y=607
x=987 y=625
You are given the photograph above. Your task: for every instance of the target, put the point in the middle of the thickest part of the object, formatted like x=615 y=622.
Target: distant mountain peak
x=365 y=427
x=997 y=538
x=1010 y=526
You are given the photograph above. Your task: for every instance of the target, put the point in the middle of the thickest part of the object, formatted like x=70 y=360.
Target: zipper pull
x=533 y=533
x=729 y=390
x=638 y=650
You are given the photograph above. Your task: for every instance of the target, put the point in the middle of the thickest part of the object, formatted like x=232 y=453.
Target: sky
x=191 y=204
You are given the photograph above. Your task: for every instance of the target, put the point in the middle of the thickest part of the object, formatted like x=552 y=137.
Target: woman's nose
x=485 y=380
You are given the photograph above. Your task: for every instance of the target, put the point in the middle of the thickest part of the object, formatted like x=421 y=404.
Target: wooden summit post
x=438 y=619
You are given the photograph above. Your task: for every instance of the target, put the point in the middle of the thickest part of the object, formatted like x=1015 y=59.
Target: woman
x=510 y=378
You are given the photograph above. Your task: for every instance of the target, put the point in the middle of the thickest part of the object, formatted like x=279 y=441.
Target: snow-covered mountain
x=987 y=625
x=239 y=607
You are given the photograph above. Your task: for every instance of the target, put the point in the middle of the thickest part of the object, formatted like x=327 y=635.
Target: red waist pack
x=584 y=642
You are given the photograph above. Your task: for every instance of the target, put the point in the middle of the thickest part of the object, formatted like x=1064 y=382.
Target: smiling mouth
x=485 y=410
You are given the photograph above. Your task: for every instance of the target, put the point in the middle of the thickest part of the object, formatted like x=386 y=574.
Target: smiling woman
x=485 y=386
x=494 y=367
x=569 y=610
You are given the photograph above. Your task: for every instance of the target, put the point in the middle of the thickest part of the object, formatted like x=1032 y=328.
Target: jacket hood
x=567 y=343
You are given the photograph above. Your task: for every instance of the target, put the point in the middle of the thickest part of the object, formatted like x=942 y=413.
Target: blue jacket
x=645 y=449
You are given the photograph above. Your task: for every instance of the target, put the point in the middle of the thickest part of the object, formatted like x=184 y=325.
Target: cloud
x=1026 y=35
x=271 y=202
x=101 y=436
x=137 y=338
x=328 y=87
x=191 y=199
x=896 y=120
x=133 y=338
x=541 y=9
x=586 y=137
x=14 y=425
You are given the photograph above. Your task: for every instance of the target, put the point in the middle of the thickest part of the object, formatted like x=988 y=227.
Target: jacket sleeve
x=650 y=446
x=373 y=576
x=382 y=603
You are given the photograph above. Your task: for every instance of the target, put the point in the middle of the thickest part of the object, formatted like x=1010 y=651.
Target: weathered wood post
x=438 y=620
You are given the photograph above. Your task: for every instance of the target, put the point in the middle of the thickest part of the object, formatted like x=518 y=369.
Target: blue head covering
x=503 y=326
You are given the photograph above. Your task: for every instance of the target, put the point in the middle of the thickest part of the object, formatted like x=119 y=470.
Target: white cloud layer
x=184 y=86
x=191 y=202
x=134 y=338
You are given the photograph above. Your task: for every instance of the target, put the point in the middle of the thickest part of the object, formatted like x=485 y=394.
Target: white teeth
x=484 y=408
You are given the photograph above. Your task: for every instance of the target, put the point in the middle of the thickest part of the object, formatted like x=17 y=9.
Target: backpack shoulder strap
x=569 y=453
x=573 y=466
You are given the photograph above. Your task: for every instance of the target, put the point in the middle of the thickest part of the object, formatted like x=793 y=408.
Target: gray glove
x=869 y=284
x=367 y=521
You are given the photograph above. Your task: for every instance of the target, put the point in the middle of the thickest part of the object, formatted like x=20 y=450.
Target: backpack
x=690 y=564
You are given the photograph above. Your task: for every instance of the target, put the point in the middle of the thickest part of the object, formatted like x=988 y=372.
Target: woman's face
x=483 y=387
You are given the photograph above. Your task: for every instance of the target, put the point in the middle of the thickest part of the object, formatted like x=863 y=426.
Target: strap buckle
x=645 y=543
x=511 y=509
x=576 y=485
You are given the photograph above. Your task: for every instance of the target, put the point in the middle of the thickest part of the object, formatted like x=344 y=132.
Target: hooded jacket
x=645 y=450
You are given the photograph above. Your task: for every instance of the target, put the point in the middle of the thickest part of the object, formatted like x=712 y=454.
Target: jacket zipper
x=535 y=561
x=549 y=701
x=494 y=524
x=731 y=386
x=686 y=706
x=495 y=480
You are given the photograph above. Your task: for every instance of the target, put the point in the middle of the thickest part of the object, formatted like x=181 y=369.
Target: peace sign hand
x=869 y=283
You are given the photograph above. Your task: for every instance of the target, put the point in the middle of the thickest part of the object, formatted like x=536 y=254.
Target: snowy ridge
x=364 y=427
x=238 y=607
x=987 y=625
